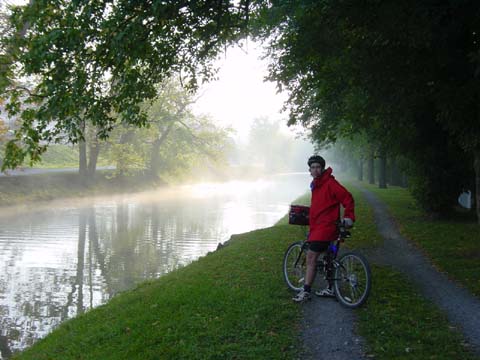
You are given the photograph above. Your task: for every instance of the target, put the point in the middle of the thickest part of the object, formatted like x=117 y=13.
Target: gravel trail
x=460 y=306
x=328 y=331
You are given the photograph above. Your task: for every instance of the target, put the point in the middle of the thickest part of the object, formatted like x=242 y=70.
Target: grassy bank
x=452 y=244
x=15 y=190
x=233 y=304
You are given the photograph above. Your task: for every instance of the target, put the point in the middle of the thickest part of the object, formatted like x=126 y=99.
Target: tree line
x=398 y=77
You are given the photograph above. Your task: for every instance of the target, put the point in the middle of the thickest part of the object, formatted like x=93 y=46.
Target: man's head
x=316 y=165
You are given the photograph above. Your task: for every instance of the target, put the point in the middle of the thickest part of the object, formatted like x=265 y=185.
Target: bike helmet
x=316 y=159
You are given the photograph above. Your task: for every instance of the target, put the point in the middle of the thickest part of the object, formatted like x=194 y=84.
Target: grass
x=398 y=323
x=230 y=304
x=15 y=190
x=64 y=156
x=452 y=245
x=233 y=304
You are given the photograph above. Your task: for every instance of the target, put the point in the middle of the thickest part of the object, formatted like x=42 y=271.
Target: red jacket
x=327 y=195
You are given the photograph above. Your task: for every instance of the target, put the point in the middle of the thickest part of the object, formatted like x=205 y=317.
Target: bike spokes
x=294 y=266
x=352 y=280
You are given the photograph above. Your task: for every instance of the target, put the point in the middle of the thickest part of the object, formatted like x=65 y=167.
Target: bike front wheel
x=353 y=280
x=295 y=266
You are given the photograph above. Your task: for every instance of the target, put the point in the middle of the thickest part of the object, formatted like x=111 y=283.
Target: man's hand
x=348 y=222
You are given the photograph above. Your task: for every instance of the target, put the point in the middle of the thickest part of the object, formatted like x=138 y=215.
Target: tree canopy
x=404 y=74
x=97 y=61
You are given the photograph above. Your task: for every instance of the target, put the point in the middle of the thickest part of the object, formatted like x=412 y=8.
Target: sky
x=240 y=94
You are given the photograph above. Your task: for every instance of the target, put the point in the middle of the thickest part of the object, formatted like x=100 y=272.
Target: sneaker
x=302 y=296
x=327 y=292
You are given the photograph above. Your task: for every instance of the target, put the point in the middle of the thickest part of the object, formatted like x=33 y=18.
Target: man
x=327 y=195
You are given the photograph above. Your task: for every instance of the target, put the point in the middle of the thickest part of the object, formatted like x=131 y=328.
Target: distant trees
x=171 y=142
x=273 y=150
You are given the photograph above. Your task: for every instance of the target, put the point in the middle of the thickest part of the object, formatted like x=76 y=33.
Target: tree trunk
x=360 y=170
x=82 y=154
x=155 y=158
x=404 y=180
x=82 y=166
x=371 y=168
x=395 y=175
x=476 y=166
x=154 y=155
x=93 y=157
x=382 y=176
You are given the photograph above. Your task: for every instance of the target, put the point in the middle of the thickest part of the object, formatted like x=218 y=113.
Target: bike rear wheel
x=295 y=266
x=353 y=280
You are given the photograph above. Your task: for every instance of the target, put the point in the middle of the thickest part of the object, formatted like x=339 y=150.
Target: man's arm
x=347 y=201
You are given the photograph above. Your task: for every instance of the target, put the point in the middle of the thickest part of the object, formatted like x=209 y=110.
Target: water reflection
x=57 y=263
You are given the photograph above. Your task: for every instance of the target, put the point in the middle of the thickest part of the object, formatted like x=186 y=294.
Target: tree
x=98 y=61
x=386 y=68
x=173 y=139
x=390 y=69
x=267 y=146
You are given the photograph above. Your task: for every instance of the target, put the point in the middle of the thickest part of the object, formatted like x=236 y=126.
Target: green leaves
x=99 y=60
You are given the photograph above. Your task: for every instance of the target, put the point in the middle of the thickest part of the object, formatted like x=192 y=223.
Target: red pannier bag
x=298 y=215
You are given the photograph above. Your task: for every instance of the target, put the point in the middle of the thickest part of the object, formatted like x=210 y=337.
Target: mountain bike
x=349 y=273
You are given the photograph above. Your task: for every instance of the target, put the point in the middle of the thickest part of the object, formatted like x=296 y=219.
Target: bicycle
x=350 y=274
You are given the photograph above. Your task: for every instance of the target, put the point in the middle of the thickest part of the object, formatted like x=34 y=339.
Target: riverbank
x=37 y=185
x=233 y=304
x=217 y=307
x=29 y=189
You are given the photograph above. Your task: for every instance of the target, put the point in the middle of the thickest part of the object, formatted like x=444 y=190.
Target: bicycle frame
x=348 y=273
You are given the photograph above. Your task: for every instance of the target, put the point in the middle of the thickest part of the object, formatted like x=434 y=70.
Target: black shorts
x=318 y=246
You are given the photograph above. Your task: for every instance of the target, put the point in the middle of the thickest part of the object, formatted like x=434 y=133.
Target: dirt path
x=461 y=307
x=329 y=329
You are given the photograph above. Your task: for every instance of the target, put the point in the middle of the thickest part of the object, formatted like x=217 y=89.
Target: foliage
x=3 y=131
x=394 y=70
x=58 y=156
x=269 y=148
x=430 y=161
x=389 y=70
x=6 y=71
x=173 y=140
x=98 y=61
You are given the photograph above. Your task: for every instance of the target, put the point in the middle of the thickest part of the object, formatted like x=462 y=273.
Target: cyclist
x=327 y=195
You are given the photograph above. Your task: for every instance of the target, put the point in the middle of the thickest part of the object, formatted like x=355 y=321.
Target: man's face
x=316 y=170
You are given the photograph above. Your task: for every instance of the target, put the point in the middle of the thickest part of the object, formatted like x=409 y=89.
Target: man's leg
x=304 y=294
x=312 y=257
x=328 y=291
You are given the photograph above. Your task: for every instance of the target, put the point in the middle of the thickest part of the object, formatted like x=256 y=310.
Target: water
x=57 y=262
